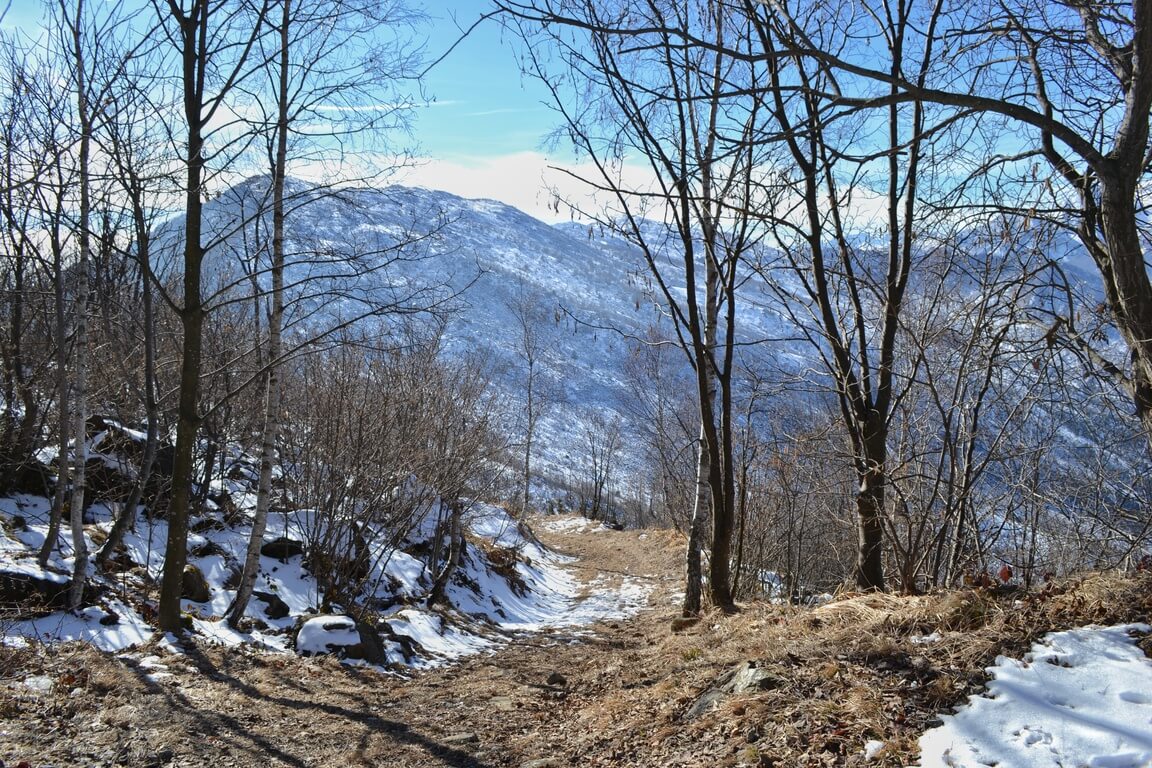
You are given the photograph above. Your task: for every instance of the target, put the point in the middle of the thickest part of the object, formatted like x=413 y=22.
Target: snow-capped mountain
x=490 y=266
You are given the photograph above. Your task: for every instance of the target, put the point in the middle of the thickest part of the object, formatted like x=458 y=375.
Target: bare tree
x=1070 y=93
x=602 y=439
x=30 y=151
x=73 y=26
x=133 y=140
x=307 y=75
x=214 y=44
x=386 y=437
x=659 y=383
x=530 y=318
x=848 y=297
x=645 y=95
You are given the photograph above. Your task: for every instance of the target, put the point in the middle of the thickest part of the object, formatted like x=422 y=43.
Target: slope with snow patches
x=594 y=297
x=486 y=604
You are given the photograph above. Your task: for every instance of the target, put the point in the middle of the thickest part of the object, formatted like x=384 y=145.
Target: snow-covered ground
x=1079 y=699
x=533 y=591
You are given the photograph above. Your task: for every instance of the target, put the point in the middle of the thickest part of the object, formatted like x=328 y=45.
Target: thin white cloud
x=504 y=111
x=530 y=181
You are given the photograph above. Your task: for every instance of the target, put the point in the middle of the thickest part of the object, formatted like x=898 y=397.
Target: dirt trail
x=536 y=702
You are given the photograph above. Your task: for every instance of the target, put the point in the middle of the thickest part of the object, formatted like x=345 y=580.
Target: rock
x=282 y=548
x=745 y=677
x=163 y=756
x=543 y=762
x=120 y=561
x=749 y=677
x=459 y=739
x=227 y=507
x=274 y=607
x=326 y=635
x=31 y=477
x=195 y=586
x=208 y=549
x=33 y=595
x=502 y=703
x=705 y=702
x=370 y=648
x=206 y=524
x=341 y=636
x=105 y=483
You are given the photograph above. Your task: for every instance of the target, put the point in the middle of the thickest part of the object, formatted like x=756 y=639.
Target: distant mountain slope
x=589 y=292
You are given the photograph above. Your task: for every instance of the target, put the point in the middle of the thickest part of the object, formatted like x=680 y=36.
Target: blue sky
x=484 y=105
x=483 y=136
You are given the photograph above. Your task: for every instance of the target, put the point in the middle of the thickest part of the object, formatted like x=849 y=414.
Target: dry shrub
x=941 y=692
x=16 y=660
x=503 y=562
x=964 y=611
x=17 y=655
x=903 y=614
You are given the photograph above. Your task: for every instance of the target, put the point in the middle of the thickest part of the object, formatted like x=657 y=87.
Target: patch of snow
x=494 y=524
x=531 y=589
x=128 y=630
x=442 y=642
x=324 y=633
x=572 y=525
x=1079 y=698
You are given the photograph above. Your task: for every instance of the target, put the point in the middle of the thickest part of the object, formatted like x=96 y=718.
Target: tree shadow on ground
x=243 y=736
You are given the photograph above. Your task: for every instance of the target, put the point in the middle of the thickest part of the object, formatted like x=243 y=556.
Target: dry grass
x=848 y=672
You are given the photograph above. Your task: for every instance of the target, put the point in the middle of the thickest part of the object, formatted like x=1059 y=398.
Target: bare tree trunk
x=80 y=355
x=127 y=517
x=872 y=475
x=529 y=431
x=694 y=572
x=443 y=577
x=272 y=395
x=63 y=412
x=1126 y=281
x=215 y=46
x=192 y=323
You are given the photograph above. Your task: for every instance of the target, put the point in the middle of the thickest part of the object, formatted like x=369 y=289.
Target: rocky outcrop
x=195 y=586
x=341 y=636
x=282 y=548
x=29 y=595
x=274 y=607
x=744 y=677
